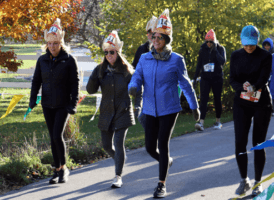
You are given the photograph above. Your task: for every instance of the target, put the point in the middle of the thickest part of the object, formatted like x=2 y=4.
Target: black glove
x=132 y=91
x=137 y=112
x=214 y=47
x=196 y=114
x=71 y=110
x=32 y=104
x=194 y=83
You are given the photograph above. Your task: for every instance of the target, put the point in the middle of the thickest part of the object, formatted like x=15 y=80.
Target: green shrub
x=14 y=170
x=47 y=158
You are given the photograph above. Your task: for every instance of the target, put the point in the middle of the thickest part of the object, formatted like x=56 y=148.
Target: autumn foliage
x=20 y=19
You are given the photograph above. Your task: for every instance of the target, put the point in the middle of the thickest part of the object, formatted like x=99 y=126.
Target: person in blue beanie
x=268 y=46
x=250 y=69
x=160 y=71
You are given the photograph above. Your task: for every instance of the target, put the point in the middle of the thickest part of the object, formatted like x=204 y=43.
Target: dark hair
x=166 y=37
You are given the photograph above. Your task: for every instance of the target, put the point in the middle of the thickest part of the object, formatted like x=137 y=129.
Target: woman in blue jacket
x=160 y=71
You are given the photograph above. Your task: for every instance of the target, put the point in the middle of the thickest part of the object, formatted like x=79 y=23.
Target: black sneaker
x=54 y=178
x=63 y=175
x=160 y=191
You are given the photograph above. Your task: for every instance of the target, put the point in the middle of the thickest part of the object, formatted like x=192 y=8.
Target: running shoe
x=199 y=126
x=244 y=186
x=117 y=182
x=160 y=191
x=54 y=178
x=218 y=125
x=63 y=175
x=258 y=190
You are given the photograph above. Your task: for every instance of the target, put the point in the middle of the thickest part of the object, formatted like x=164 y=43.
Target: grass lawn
x=27 y=64
x=22 y=49
x=10 y=77
x=15 y=129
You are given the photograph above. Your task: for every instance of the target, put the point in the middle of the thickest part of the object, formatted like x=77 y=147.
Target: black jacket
x=254 y=68
x=116 y=106
x=144 y=48
x=206 y=55
x=59 y=80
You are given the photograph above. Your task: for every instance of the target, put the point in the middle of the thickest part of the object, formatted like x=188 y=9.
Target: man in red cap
x=212 y=57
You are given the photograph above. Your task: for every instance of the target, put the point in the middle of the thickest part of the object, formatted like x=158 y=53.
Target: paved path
x=204 y=168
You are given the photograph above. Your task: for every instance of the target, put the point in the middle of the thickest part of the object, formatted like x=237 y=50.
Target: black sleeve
x=237 y=86
x=138 y=54
x=74 y=82
x=93 y=82
x=199 y=65
x=36 y=84
x=265 y=72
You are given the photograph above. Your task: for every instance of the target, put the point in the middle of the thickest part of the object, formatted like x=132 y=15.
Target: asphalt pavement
x=204 y=168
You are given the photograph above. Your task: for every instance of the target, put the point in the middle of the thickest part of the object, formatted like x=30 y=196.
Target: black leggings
x=56 y=120
x=159 y=130
x=242 y=116
x=217 y=87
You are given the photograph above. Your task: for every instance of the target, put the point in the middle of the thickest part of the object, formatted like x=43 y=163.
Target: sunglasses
x=211 y=42
x=158 y=37
x=111 y=52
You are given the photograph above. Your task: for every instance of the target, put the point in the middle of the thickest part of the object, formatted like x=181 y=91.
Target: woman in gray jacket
x=116 y=113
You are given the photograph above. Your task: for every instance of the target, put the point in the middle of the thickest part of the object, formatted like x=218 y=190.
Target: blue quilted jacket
x=160 y=80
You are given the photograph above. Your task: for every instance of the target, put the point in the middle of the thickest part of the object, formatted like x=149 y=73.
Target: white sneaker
x=218 y=125
x=117 y=182
x=244 y=186
x=258 y=190
x=199 y=126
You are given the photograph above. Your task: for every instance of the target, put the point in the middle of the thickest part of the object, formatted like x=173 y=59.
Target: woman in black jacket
x=212 y=57
x=57 y=73
x=144 y=48
x=250 y=68
x=116 y=114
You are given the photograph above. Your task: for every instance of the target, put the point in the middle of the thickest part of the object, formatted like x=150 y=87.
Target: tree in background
x=191 y=19
x=89 y=29
x=21 y=18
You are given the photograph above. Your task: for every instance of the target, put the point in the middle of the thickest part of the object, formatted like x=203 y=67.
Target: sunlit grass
x=15 y=129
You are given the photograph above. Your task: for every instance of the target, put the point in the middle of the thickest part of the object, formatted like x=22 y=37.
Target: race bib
x=209 y=67
x=254 y=98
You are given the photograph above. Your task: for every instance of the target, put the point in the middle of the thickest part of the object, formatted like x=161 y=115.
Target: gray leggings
x=117 y=152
